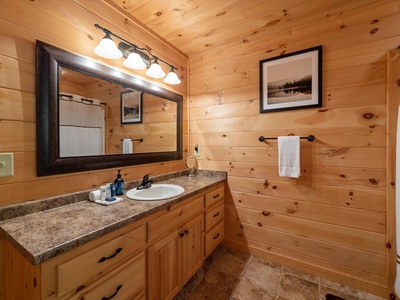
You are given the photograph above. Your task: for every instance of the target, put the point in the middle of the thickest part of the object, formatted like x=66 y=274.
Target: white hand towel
x=94 y=195
x=397 y=201
x=127 y=146
x=289 y=156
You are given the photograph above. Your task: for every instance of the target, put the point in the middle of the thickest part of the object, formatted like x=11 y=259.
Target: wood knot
x=388 y=245
x=259 y=224
x=220 y=14
x=291 y=210
x=239 y=235
x=274 y=22
x=159 y=13
x=392 y=183
x=373 y=31
x=168 y=208
x=351 y=193
x=274 y=187
x=266 y=184
x=266 y=213
x=368 y=116
x=373 y=181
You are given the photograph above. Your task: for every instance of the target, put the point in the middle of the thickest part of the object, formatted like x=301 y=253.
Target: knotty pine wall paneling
x=333 y=220
x=68 y=25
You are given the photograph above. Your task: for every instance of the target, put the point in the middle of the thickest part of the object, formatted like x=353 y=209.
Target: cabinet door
x=192 y=247
x=164 y=267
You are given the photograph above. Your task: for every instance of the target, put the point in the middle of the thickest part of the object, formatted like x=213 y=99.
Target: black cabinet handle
x=113 y=295
x=109 y=257
x=215 y=237
x=186 y=231
x=181 y=234
x=216 y=196
x=216 y=215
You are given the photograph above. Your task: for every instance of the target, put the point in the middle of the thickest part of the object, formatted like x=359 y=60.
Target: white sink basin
x=156 y=192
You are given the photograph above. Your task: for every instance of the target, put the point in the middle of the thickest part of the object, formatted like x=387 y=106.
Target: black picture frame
x=291 y=81
x=131 y=107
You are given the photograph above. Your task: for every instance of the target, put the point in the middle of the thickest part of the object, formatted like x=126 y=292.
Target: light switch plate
x=6 y=164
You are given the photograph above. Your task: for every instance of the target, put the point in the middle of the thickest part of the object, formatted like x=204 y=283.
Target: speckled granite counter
x=42 y=235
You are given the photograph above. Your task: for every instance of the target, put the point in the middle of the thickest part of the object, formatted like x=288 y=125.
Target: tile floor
x=230 y=274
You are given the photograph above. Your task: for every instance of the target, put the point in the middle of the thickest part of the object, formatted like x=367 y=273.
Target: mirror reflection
x=99 y=117
x=90 y=116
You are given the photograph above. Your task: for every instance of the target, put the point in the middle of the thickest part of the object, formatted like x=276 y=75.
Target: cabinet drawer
x=174 y=218
x=126 y=282
x=214 y=237
x=214 y=216
x=214 y=196
x=77 y=271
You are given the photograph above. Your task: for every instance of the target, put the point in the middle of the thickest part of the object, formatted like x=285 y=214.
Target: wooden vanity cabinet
x=178 y=250
x=214 y=219
x=151 y=258
x=112 y=264
x=183 y=236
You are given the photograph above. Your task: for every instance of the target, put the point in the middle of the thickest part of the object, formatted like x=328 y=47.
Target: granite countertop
x=42 y=235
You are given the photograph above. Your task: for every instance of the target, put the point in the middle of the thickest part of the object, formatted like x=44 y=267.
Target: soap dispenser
x=119 y=184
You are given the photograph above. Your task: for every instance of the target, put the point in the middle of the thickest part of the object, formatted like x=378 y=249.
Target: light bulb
x=155 y=70
x=134 y=61
x=172 y=78
x=107 y=48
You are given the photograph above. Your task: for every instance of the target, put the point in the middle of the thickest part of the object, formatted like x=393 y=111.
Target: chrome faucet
x=146 y=183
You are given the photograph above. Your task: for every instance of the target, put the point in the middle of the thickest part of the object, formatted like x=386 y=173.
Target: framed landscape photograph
x=131 y=107
x=291 y=81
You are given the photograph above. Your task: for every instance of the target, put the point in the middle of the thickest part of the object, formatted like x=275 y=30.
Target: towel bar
x=136 y=140
x=309 y=138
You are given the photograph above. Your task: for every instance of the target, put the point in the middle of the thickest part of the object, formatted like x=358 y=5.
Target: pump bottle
x=119 y=184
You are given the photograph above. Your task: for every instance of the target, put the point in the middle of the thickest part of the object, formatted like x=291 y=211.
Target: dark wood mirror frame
x=48 y=61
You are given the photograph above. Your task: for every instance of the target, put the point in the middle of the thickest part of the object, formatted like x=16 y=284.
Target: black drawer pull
x=216 y=215
x=215 y=237
x=186 y=231
x=216 y=196
x=181 y=234
x=109 y=257
x=113 y=295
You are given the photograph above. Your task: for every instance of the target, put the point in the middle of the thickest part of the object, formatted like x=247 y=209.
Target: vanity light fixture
x=172 y=78
x=135 y=57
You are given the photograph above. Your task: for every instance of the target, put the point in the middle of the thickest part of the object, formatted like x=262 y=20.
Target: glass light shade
x=108 y=49
x=172 y=78
x=155 y=70
x=134 y=61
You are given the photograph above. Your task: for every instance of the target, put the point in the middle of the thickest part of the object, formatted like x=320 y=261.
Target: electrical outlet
x=197 y=151
x=6 y=164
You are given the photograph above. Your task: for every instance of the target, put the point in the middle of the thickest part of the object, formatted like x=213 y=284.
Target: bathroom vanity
x=129 y=250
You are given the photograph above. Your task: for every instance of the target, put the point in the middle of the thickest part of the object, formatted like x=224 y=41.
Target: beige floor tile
x=296 y=288
x=232 y=275
x=263 y=274
x=246 y=291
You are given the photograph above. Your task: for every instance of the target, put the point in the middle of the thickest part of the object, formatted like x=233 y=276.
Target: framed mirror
x=90 y=116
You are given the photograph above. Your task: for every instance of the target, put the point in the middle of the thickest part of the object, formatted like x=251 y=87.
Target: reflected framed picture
x=291 y=81
x=131 y=107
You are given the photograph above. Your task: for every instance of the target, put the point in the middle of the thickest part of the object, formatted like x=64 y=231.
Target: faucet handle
x=146 y=178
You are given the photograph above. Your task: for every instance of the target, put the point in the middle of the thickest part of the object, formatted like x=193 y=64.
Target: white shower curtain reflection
x=81 y=127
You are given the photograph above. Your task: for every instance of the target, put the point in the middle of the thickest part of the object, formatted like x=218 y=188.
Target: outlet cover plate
x=6 y=164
